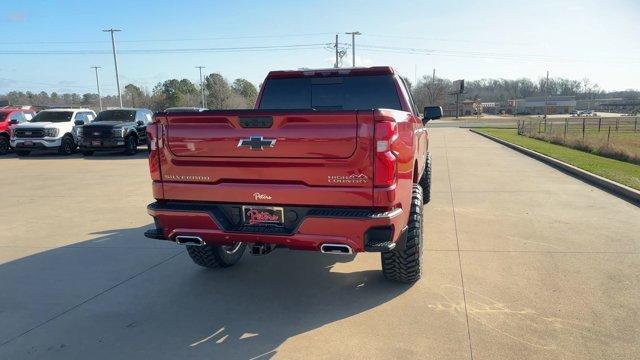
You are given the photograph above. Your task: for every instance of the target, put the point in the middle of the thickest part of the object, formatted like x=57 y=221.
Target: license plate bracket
x=255 y=215
x=96 y=143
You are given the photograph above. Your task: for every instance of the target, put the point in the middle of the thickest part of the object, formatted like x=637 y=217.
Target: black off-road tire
x=130 y=145
x=87 y=152
x=23 y=152
x=216 y=256
x=4 y=144
x=404 y=263
x=67 y=147
x=425 y=181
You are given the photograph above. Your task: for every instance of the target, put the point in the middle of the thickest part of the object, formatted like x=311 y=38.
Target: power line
x=314 y=46
x=167 y=50
x=166 y=40
x=482 y=54
x=50 y=84
x=445 y=40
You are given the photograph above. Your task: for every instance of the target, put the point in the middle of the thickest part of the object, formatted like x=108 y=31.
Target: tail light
x=386 y=162
x=154 y=151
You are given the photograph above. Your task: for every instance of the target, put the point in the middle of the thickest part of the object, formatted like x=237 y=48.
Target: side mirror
x=13 y=122
x=140 y=122
x=79 y=122
x=431 y=112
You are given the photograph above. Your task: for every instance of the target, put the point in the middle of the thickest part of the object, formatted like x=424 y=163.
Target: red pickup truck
x=332 y=160
x=10 y=116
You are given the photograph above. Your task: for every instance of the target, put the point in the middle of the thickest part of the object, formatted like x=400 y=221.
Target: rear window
x=331 y=93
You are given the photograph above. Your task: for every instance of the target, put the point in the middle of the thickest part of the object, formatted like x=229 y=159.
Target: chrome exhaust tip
x=189 y=240
x=340 y=249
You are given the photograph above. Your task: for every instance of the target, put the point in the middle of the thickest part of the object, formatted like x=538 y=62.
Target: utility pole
x=336 y=46
x=546 y=98
x=515 y=101
x=98 y=84
x=115 y=61
x=201 y=85
x=353 y=46
x=433 y=87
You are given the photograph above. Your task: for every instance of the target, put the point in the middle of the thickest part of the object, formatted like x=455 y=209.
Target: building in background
x=540 y=105
x=615 y=105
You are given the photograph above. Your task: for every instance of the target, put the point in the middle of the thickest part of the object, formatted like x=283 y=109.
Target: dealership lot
x=522 y=261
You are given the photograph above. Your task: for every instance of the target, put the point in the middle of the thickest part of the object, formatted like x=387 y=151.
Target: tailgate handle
x=256 y=122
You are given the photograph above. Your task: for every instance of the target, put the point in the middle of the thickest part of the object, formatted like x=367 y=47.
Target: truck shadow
x=142 y=153
x=117 y=155
x=154 y=302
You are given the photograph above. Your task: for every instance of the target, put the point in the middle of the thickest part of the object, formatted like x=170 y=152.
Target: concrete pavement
x=522 y=261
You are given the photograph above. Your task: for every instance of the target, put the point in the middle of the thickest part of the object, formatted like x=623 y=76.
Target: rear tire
x=23 y=152
x=67 y=146
x=404 y=263
x=130 y=145
x=216 y=256
x=425 y=181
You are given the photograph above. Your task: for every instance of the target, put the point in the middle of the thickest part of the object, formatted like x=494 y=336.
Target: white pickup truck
x=50 y=129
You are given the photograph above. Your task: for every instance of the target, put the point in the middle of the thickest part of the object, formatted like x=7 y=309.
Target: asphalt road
x=522 y=262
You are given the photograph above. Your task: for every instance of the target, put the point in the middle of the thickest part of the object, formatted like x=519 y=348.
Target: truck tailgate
x=271 y=157
x=296 y=136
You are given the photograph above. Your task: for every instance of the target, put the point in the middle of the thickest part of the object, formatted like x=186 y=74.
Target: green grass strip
x=618 y=171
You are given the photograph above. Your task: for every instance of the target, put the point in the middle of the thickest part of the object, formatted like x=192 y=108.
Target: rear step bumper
x=311 y=228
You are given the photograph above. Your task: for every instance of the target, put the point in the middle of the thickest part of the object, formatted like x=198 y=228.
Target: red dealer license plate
x=263 y=215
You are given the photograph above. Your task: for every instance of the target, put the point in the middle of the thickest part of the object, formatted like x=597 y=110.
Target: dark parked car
x=114 y=129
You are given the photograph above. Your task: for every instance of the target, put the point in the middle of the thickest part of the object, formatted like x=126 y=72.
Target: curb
x=623 y=191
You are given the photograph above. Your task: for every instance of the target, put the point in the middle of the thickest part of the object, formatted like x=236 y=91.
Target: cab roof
x=374 y=70
x=66 y=109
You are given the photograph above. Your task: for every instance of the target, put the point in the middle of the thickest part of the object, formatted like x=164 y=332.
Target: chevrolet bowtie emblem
x=256 y=143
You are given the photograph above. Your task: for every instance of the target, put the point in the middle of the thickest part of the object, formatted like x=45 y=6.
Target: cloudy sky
x=51 y=45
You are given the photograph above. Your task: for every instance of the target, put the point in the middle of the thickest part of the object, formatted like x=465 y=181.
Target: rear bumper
x=305 y=228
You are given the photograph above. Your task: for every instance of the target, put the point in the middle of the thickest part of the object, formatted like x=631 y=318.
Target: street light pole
x=546 y=97
x=201 y=85
x=353 y=46
x=115 y=61
x=98 y=84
